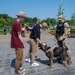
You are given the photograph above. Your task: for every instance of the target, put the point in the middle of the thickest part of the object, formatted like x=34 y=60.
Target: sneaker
x=35 y=64
x=22 y=71
x=27 y=60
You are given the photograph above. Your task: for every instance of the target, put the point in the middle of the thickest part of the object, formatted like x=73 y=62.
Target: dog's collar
x=46 y=48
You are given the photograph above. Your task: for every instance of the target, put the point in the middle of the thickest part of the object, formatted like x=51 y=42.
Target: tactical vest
x=60 y=29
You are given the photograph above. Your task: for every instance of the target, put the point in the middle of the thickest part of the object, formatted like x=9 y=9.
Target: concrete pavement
x=7 y=58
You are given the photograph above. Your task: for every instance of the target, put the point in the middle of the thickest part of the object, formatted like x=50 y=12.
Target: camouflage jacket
x=66 y=29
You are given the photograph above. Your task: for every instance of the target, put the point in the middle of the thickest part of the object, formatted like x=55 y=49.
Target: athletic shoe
x=22 y=71
x=27 y=60
x=35 y=64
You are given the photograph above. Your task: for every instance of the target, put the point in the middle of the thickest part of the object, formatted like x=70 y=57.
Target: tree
x=48 y=20
x=5 y=16
x=53 y=22
x=60 y=10
x=2 y=22
x=69 y=22
x=73 y=19
x=35 y=19
x=73 y=16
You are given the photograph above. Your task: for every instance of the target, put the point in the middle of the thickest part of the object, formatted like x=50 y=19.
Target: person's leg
x=28 y=54
x=30 y=50
x=27 y=59
x=66 y=44
x=34 y=48
x=69 y=61
x=4 y=32
x=19 y=56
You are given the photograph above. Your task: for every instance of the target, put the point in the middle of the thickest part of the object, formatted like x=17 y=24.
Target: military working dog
x=54 y=52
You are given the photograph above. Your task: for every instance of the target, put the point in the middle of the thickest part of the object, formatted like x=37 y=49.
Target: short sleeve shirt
x=35 y=33
x=15 y=41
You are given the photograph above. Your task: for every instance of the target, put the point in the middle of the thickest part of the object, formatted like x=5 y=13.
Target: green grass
x=2 y=32
x=73 y=30
x=51 y=31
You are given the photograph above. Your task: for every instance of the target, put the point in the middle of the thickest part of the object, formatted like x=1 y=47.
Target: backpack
x=60 y=29
x=68 y=34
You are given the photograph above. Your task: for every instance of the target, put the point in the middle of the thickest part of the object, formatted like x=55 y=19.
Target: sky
x=41 y=9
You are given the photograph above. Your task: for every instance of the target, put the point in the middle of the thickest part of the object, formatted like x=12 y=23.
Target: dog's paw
x=64 y=63
x=69 y=62
x=50 y=66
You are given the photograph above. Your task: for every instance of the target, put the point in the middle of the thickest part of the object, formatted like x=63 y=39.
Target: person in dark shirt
x=34 y=38
x=5 y=29
x=36 y=31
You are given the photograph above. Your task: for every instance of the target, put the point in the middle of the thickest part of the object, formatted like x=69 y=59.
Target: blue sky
x=37 y=8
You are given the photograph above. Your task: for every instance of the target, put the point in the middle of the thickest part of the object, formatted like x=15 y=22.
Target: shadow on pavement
x=46 y=62
x=13 y=63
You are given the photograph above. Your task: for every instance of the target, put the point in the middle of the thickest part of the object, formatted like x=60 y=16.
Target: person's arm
x=20 y=37
x=66 y=28
x=37 y=35
x=38 y=40
x=17 y=28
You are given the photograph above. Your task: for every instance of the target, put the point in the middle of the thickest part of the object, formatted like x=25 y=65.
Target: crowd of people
x=17 y=39
x=26 y=29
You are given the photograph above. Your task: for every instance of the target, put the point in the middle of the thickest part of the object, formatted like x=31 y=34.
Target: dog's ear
x=39 y=45
x=40 y=48
x=45 y=43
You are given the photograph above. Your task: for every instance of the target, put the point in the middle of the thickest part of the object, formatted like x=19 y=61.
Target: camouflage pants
x=65 y=44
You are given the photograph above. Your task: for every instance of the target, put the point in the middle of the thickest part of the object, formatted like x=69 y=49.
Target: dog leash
x=55 y=42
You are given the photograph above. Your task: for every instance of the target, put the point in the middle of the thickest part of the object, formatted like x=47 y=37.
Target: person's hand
x=30 y=28
x=60 y=39
x=23 y=46
x=54 y=39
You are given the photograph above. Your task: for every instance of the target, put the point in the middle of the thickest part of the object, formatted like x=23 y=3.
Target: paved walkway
x=7 y=58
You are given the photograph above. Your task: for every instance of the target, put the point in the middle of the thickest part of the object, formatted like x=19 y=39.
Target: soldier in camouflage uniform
x=62 y=37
